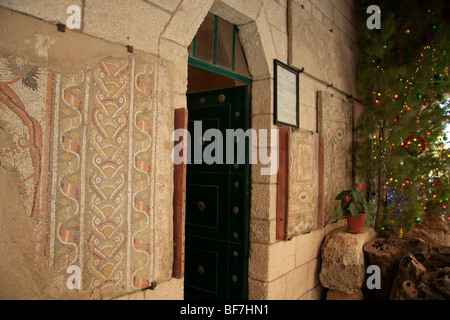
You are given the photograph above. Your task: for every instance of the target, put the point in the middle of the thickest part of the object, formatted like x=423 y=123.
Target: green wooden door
x=217 y=203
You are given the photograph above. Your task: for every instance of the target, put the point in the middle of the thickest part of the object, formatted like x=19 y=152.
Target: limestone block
x=258 y=168
x=276 y=290
x=339 y=20
x=265 y=34
x=315 y=293
x=258 y=262
x=343 y=266
x=305 y=4
x=308 y=88
x=325 y=6
x=264 y=201
x=345 y=8
x=138 y=295
x=179 y=101
x=328 y=24
x=169 y=290
x=178 y=54
x=309 y=122
x=281 y=258
x=48 y=10
x=297 y=282
x=187 y=19
x=317 y=14
x=280 y=38
x=259 y=50
x=168 y=5
x=269 y=262
x=350 y=30
x=264 y=138
x=306 y=248
x=318 y=50
x=129 y=22
x=262 y=97
x=41 y=44
x=262 y=231
x=276 y=14
x=257 y=290
x=313 y=273
x=236 y=11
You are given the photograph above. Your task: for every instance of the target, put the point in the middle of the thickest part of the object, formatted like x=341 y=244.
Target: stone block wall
x=292 y=271
x=321 y=40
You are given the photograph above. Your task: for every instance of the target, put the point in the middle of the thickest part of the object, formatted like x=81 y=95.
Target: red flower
x=347 y=199
x=360 y=187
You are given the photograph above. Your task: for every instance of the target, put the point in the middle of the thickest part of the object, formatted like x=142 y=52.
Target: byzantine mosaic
x=336 y=127
x=81 y=153
x=337 y=133
x=303 y=183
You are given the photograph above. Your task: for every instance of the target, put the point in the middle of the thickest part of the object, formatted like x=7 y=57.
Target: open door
x=217 y=201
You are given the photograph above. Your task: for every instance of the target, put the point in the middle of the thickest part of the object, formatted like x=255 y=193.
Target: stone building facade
x=86 y=119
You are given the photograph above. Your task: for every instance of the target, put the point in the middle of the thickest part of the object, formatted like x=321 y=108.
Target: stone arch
x=255 y=33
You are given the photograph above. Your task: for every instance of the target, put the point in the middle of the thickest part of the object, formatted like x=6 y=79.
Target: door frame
x=259 y=50
x=219 y=71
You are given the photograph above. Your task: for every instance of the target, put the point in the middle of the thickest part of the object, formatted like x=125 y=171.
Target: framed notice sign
x=286 y=99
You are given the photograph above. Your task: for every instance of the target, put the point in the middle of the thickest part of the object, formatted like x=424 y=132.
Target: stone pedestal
x=339 y=295
x=343 y=266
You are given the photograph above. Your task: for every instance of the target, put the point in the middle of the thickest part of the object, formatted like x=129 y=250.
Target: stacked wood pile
x=414 y=268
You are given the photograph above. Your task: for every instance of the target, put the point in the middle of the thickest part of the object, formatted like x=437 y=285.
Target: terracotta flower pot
x=356 y=225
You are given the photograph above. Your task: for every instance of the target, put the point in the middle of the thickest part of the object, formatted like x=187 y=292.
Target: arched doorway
x=217 y=193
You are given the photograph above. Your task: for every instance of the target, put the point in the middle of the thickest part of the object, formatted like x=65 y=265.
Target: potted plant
x=356 y=207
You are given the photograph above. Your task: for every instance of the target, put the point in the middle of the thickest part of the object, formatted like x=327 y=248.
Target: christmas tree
x=404 y=83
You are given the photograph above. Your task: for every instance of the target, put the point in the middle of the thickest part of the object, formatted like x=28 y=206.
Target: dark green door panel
x=217 y=203
x=207 y=205
x=206 y=268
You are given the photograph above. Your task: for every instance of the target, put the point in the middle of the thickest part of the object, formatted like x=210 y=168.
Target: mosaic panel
x=337 y=131
x=80 y=149
x=303 y=183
